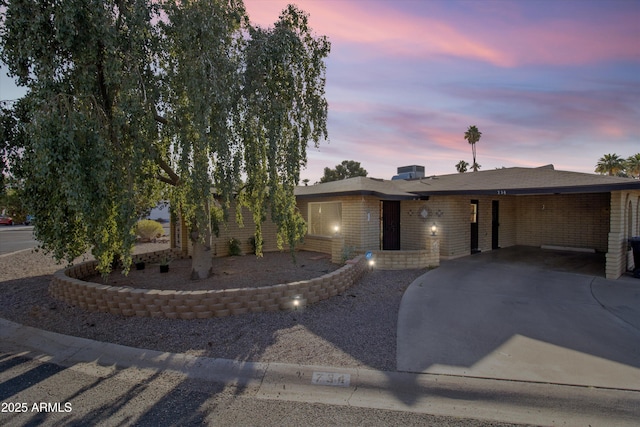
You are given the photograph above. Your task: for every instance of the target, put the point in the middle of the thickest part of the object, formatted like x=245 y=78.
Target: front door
x=495 y=224
x=474 y=227
x=390 y=225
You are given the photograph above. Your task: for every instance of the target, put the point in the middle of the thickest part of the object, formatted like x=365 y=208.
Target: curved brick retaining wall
x=67 y=285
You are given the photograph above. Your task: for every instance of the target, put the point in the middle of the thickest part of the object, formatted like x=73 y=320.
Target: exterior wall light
x=369 y=257
x=336 y=229
x=434 y=229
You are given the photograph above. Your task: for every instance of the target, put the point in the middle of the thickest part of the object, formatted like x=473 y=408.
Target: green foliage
x=632 y=166
x=234 y=247
x=133 y=102
x=148 y=229
x=346 y=169
x=14 y=141
x=462 y=166
x=254 y=245
x=614 y=165
x=11 y=201
x=283 y=93
x=610 y=164
x=348 y=252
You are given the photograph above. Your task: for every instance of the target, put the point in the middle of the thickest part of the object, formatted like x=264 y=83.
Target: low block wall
x=401 y=260
x=67 y=285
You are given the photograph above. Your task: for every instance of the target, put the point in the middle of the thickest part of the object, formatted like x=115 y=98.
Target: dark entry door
x=474 y=227
x=390 y=225
x=495 y=224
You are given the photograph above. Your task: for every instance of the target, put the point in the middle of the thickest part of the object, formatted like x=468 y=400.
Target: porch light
x=434 y=229
x=336 y=229
x=369 y=257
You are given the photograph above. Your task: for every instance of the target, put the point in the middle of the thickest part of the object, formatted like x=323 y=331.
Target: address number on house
x=331 y=378
x=502 y=192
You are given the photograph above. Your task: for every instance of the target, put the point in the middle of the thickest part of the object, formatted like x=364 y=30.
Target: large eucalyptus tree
x=129 y=95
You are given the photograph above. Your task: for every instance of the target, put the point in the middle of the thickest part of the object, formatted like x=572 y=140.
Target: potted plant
x=164 y=265
x=140 y=265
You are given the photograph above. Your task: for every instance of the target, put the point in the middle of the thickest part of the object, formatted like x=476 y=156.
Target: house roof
x=358 y=186
x=506 y=181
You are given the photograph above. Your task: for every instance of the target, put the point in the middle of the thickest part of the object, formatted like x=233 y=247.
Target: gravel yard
x=356 y=328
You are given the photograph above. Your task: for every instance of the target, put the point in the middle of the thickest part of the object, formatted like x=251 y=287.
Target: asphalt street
x=20 y=237
x=16 y=238
x=37 y=392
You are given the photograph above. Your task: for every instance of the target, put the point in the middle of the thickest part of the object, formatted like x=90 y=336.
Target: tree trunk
x=201 y=262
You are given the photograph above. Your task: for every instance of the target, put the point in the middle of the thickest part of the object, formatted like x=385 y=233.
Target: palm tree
x=632 y=165
x=610 y=164
x=472 y=135
x=462 y=166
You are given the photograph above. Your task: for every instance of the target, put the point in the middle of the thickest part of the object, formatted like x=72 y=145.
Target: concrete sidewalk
x=462 y=397
x=479 y=317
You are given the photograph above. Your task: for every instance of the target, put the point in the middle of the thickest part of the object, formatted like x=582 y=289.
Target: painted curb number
x=331 y=378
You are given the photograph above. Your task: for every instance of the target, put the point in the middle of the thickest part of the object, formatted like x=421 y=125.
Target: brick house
x=419 y=221
x=480 y=211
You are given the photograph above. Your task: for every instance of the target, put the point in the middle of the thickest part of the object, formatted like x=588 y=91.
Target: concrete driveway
x=523 y=314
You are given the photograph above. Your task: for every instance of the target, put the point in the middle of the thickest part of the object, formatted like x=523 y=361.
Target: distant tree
x=462 y=166
x=472 y=135
x=610 y=164
x=632 y=166
x=346 y=169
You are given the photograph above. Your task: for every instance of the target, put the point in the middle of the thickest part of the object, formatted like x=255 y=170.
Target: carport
x=538 y=207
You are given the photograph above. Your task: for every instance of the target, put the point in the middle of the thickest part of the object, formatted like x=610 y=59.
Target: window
x=324 y=218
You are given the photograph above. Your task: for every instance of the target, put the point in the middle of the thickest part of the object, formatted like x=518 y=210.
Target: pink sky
x=545 y=82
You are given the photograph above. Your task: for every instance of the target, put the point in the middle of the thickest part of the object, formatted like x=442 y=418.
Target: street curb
x=442 y=395
x=16 y=252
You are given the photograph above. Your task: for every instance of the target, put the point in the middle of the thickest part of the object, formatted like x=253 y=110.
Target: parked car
x=6 y=220
x=29 y=219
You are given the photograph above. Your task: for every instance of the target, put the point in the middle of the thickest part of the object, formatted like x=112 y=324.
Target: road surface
x=16 y=238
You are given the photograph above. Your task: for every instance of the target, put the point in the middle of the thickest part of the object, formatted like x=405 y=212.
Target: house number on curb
x=331 y=378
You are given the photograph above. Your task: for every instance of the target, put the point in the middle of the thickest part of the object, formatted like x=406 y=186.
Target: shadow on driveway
x=523 y=314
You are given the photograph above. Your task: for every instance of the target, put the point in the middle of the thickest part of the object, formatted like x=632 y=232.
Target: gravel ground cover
x=354 y=329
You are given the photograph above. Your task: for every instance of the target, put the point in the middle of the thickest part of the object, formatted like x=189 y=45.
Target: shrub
x=348 y=252
x=234 y=247
x=148 y=229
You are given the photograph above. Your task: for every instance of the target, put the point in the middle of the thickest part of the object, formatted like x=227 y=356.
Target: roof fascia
x=602 y=188
x=382 y=196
